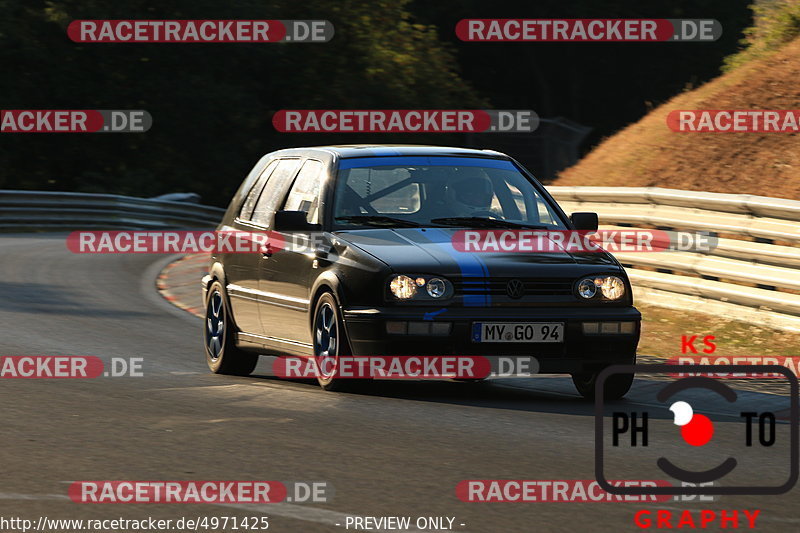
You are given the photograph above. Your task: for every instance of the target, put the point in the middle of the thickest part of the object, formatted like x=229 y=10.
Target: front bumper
x=366 y=330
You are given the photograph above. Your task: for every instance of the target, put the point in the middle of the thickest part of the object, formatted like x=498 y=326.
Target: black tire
x=615 y=387
x=222 y=355
x=329 y=340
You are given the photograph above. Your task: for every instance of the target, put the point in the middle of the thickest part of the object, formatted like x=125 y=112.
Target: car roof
x=347 y=151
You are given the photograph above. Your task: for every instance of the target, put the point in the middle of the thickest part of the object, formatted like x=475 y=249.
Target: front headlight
x=403 y=287
x=612 y=288
x=586 y=288
x=420 y=287
x=609 y=287
x=436 y=287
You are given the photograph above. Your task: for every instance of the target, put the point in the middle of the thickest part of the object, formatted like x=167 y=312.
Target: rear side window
x=252 y=197
x=304 y=195
x=273 y=191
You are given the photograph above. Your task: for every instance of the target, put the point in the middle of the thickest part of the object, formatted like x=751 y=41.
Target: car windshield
x=438 y=191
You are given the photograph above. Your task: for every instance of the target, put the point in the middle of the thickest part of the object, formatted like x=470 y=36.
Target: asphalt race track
x=396 y=449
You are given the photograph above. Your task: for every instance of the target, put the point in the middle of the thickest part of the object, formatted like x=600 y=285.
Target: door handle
x=266 y=250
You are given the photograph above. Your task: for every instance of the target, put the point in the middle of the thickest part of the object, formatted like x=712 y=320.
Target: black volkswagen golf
x=382 y=272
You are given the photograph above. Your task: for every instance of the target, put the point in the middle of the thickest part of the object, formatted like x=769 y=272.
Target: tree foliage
x=776 y=23
x=211 y=103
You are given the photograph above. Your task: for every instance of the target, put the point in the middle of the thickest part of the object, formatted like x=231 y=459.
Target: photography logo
x=699 y=431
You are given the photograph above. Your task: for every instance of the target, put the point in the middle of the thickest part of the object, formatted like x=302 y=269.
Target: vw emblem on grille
x=515 y=289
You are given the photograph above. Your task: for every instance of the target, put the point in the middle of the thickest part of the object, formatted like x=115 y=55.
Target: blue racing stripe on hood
x=473 y=270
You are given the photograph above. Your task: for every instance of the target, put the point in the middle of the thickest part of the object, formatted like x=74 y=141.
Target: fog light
x=419 y=328
x=440 y=328
x=627 y=327
x=609 y=327
x=397 y=328
x=591 y=327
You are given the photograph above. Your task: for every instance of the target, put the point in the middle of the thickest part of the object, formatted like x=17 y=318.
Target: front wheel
x=330 y=342
x=615 y=387
x=222 y=355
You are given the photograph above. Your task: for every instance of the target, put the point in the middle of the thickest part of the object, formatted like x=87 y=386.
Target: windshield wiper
x=483 y=222
x=379 y=220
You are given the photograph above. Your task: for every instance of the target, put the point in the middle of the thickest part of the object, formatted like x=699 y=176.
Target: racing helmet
x=469 y=190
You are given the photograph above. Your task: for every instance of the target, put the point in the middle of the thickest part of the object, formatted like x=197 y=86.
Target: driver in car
x=469 y=193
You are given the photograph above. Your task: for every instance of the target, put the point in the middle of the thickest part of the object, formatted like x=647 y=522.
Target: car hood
x=430 y=250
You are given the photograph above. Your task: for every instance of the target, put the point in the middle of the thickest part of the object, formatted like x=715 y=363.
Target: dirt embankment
x=648 y=153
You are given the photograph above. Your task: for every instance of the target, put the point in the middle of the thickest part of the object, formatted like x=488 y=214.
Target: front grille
x=497 y=286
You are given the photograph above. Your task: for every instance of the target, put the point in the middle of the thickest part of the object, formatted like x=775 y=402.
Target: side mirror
x=584 y=221
x=293 y=221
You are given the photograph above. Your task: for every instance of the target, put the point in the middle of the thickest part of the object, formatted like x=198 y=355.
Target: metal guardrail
x=20 y=210
x=753 y=273
x=747 y=275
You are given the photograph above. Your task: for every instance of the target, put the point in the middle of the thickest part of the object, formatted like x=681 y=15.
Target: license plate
x=518 y=332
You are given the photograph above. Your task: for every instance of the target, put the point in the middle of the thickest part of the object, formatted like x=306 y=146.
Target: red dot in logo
x=698 y=431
